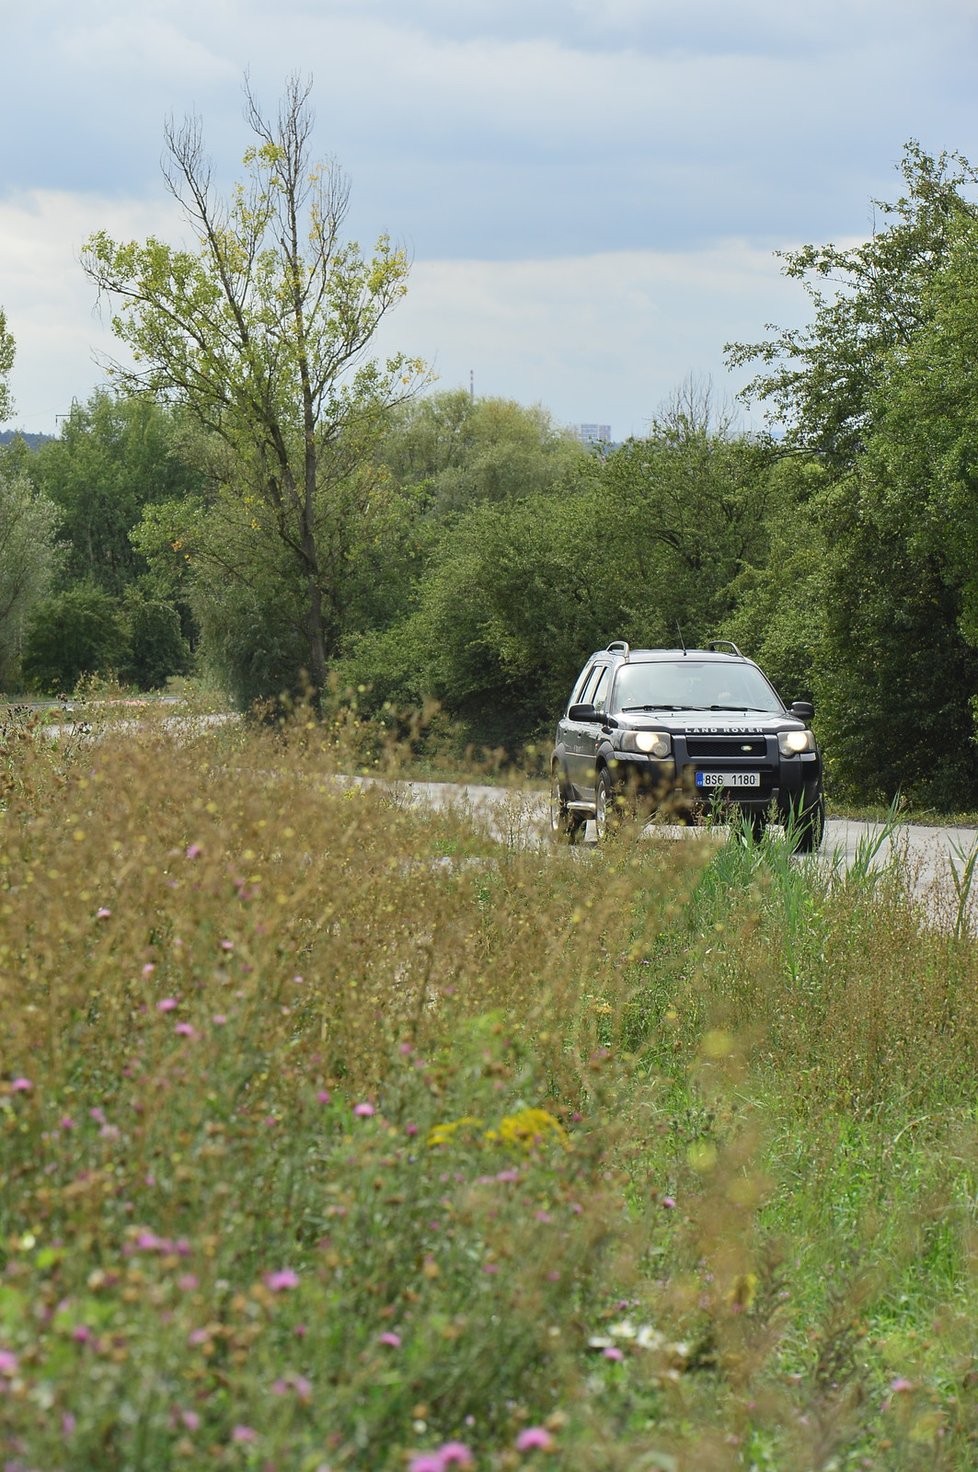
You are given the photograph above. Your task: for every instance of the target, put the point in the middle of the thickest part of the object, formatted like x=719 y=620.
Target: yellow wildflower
x=440 y=1134
x=527 y=1128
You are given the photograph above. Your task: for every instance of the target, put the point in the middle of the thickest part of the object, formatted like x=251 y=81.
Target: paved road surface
x=926 y=854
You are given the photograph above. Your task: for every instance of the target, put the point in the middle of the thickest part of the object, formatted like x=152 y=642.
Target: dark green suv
x=689 y=732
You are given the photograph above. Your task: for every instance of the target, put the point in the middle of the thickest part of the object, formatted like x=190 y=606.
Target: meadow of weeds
x=335 y=1134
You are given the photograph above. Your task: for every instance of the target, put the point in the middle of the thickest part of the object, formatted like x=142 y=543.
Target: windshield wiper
x=760 y=709
x=627 y=708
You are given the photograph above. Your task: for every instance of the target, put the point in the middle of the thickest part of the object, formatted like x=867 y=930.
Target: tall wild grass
x=336 y=1133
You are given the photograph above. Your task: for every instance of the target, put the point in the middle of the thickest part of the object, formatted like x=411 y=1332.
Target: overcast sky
x=592 y=191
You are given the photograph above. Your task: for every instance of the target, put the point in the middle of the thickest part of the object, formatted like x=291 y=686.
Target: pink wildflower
x=292 y=1381
x=364 y=1110
x=278 y=1281
x=613 y=1353
x=219 y=1019
x=389 y=1337
x=323 y=1097
x=456 y=1454
x=148 y=969
x=244 y=1433
x=668 y=1202
x=901 y=1385
x=427 y=1462
x=190 y=1419
x=66 y=1122
x=227 y=945
x=534 y=1438
x=103 y=913
x=8 y=1363
x=185 y=1030
x=166 y=1004
x=193 y=850
x=21 y=1086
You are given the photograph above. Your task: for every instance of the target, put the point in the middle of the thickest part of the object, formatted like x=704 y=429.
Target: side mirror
x=582 y=713
x=803 y=709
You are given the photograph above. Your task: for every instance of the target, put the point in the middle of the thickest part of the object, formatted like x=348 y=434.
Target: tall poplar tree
x=262 y=331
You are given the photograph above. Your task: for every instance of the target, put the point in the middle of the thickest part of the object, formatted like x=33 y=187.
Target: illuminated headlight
x=650 y=743
x=792 y=743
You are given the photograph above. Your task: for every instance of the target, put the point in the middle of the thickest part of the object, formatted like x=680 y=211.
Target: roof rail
x=618 y=646
x=718 y=644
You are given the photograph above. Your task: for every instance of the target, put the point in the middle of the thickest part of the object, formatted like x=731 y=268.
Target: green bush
x=157 y=646
x=81 y=631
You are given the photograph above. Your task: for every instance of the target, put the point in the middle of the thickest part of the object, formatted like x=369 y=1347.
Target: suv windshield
x=690 y=684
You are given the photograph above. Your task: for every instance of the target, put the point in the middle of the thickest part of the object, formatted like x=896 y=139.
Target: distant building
x=592 y=434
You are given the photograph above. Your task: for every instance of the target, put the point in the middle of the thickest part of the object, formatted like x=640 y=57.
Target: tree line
x=255 y=495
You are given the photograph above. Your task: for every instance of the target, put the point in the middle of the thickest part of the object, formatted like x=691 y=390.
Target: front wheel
x=565 y=826
x=607 y=807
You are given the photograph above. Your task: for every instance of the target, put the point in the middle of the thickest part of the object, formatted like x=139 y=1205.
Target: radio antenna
x=682 y=641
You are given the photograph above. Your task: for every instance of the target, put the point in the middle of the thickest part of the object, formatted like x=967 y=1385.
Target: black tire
x=607 y=807
x=565 y=826
x=809 y=828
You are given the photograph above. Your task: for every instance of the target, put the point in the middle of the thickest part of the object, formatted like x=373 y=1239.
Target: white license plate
x=728 y=779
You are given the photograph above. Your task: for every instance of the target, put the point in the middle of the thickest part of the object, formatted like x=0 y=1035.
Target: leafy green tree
x=919 y=476
x=460 y=451
x=157 y=647
x=868 y=302
x=685 y=511
x=505 y=612
x=902 y=595
x=224 y=560
x=879 y=386
x=262 y=333
x=778 y=596
x=80 y=631
x=894 y=677
x=114 y=457
x=29 y=554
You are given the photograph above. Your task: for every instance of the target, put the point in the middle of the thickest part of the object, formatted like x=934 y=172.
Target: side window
x=586 y=679
x=601 y=689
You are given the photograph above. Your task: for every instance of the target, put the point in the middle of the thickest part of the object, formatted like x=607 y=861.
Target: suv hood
x=710 y=722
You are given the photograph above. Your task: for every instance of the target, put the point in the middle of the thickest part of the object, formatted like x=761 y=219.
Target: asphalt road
x=928 y=856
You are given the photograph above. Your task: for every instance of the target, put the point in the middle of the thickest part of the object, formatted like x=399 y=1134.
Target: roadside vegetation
x=340 y=1134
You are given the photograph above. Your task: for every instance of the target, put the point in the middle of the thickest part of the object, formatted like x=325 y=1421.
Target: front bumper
x=791 y=784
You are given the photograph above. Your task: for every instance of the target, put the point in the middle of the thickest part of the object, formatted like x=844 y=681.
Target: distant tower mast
x=472 y=384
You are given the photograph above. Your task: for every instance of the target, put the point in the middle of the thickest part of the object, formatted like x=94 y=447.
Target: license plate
x=728 y=779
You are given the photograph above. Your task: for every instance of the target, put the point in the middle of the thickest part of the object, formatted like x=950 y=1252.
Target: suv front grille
x=728 y=747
